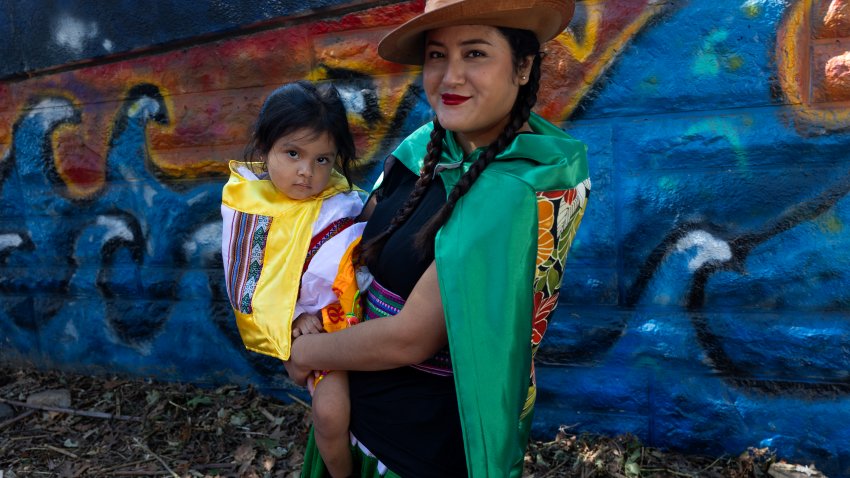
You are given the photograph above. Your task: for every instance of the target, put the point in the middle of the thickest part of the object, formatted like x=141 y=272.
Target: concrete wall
x=707 y=308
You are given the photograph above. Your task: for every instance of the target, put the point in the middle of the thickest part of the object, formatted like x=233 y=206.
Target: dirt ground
x=77 y=425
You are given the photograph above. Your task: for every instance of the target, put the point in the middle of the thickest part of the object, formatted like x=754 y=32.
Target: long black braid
x=370 y=251
x=523 y=44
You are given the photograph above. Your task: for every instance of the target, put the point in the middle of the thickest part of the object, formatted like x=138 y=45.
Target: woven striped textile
x=247 y=246
x=381 y=302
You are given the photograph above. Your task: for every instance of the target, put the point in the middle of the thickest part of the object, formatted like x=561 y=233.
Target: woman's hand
x=297 y=372
x=306 y=324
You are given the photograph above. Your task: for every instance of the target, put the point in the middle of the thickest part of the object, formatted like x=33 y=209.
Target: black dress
x=406 y=417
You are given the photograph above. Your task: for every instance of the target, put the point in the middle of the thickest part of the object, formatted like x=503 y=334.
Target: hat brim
x=546 y=18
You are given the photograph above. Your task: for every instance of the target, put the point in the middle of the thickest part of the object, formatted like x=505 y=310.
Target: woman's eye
x=434 y=54
x=476 y=54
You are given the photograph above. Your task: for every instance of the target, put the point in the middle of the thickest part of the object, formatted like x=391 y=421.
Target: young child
x=288 y=220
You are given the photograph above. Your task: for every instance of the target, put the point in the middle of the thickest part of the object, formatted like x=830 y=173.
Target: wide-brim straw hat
x=546 y=18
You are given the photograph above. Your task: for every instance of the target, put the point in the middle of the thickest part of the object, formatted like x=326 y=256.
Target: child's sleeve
x=317 y=281
x=346 y=311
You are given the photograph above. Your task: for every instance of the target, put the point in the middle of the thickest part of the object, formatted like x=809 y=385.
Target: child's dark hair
x=523 y=44
x=301 y=105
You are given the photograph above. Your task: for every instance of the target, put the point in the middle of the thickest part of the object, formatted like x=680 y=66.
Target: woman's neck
x=469 y=142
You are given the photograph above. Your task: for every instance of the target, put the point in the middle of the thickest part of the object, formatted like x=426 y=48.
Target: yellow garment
x=347 y=312
x=268 y=329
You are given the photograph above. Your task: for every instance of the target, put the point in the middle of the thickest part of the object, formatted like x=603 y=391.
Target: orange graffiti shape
x=813 y=66
x=579 y=56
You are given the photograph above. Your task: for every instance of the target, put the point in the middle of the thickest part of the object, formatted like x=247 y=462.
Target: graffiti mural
x=704 y=305
x=717 y=249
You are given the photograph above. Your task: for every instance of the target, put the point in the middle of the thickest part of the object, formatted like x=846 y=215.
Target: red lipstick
x=453 y=100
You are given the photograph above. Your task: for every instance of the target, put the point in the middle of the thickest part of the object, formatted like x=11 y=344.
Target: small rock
x=245 y=453
x=837 y=19
x=5 y=412
x=51 y=398
x=296 y=459
x=785 y=470
x=837 y=77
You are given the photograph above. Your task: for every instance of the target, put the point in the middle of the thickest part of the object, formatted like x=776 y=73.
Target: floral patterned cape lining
x=500 y=260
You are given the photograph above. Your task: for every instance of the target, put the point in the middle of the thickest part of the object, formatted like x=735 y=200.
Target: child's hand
x=306 y=324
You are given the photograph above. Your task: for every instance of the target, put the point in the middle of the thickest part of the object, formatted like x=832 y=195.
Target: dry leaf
x=245 y=453
x=209 y=445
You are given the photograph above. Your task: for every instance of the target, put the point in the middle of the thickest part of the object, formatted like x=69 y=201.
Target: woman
x=467 y=237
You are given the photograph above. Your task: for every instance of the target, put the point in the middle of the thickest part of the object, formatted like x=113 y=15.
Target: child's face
x=300 y=163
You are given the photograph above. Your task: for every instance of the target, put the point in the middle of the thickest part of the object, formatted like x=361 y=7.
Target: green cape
x=486 y=261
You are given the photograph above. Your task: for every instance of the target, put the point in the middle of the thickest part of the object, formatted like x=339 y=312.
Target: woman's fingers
x=296 y=374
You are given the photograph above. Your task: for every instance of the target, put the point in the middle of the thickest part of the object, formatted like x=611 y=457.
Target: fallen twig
x=139 y=473
x=81 y=470
x=63 y=452
x=711 y=465
x=57 y=450
x=15 y=419
x=148 y=450
x=71 y=411
x=267 y=414
x=210 y=466
x=125 y=465
x=28 y=437
x=668 y=470
x=554 y=469
x=299 y=401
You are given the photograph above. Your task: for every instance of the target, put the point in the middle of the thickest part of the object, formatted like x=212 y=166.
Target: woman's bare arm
x=416 y=333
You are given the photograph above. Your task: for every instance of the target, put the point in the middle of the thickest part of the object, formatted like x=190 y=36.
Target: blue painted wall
x=706 y=304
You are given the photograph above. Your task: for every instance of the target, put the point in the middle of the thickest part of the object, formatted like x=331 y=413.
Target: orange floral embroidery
x=543 y=307
x=333 y=318
x=545 y=239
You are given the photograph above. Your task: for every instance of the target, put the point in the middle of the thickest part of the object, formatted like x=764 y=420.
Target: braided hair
x=523 y=43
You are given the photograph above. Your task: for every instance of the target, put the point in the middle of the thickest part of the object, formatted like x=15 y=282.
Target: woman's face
x=470 y=81
x=300 y=163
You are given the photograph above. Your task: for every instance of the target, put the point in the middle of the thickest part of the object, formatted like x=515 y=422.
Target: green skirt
x=314 y=467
